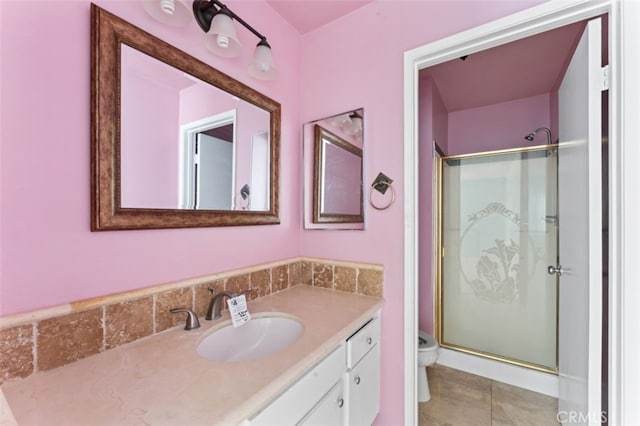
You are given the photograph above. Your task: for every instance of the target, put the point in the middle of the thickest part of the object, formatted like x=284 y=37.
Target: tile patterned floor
x=463 y=399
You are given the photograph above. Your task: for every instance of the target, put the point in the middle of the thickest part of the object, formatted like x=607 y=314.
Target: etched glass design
x=499 y=235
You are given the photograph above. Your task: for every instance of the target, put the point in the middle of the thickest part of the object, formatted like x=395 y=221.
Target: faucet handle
x=192 y=318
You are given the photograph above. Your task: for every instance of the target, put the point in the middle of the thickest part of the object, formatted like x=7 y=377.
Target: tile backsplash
x=53 y=337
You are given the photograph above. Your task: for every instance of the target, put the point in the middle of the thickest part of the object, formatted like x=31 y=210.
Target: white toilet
x=427 y=355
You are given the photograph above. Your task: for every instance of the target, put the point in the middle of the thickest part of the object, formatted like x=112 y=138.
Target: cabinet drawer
x=329 y=411
x=294 y=403
x=362 y=341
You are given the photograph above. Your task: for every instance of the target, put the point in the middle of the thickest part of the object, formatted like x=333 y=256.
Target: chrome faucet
x=216 y=300
x=192 y=318
x=214 y=306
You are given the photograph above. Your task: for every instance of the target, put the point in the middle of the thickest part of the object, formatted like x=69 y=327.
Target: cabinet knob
x=340 y=402
x=369 y=340
x=357 y=380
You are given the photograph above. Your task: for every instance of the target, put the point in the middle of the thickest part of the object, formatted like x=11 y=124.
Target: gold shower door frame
x=440 y=259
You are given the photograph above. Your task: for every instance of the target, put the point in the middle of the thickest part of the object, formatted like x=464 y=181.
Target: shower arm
x=531 y=135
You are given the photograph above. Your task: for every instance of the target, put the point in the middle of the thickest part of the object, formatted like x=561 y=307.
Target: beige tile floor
x=463 y=399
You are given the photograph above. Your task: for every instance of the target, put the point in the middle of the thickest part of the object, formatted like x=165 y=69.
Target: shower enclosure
x=498 y=235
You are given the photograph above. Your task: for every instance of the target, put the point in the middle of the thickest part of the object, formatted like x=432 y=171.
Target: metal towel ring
x=393 y=195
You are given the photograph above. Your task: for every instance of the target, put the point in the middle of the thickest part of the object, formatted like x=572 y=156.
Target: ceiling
x=516 y=70
x=521 y=69
x=307 y=15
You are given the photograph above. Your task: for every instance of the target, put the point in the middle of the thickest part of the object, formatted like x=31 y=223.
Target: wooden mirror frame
x=320 y=134
x=108 y=32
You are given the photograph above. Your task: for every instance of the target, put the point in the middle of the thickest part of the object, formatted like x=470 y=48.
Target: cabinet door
x=329 y=411
x=294 y=403
x=362 y=387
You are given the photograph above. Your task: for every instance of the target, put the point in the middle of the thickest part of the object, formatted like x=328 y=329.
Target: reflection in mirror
x=337 y=193
x=175 y=143
x=207 y=163
x=199 y=138
x=334 y=172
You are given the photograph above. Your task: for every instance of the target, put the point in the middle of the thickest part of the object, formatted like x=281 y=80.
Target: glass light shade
x=222 y=38
x=171 y=12
x=263 y=66
x=355 y=127
x=342 y=120
x=356 y=122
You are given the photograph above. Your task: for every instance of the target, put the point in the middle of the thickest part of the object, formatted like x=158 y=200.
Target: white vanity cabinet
x=342 y=389
x=329 y=411
x=291 y=407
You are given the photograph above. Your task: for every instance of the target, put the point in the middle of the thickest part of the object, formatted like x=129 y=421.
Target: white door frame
x=624 y=134
x=188 y=135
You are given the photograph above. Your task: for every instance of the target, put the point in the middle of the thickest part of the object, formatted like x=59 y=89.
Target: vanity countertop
x=161 y=380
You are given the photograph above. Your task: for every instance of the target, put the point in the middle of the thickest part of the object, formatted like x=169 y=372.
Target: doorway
x=208 y=163
x=533 y=21
x=495 y=297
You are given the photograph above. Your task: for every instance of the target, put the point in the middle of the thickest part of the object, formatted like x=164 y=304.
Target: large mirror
x=334 y=172
x=175 y=143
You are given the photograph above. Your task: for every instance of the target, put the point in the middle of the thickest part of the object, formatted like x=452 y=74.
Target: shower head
x=532 y=135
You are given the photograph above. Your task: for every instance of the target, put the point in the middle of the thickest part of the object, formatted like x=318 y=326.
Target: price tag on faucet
x=238 y=310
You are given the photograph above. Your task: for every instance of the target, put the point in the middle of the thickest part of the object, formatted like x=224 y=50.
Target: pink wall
x=48 y=256
x=149 y=124
x=499 y=126
x=342 y=182
x=353 y=62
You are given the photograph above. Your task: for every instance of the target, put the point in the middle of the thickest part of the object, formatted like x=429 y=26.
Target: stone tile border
x=52 y=337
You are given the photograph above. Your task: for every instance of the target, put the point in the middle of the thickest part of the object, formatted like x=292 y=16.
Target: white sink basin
x=257 y=338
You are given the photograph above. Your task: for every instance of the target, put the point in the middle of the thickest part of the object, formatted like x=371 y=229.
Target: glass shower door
x=499 y=233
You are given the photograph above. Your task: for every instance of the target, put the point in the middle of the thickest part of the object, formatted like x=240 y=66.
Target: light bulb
x=223 y=40
x=171 y=12
x=167 y=6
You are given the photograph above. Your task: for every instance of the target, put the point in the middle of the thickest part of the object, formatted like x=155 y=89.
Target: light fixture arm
x=204 y=11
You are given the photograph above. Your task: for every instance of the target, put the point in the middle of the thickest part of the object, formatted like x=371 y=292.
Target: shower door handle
x=557 y=270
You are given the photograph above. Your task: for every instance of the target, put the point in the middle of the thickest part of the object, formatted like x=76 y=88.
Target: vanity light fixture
x=350 y=123
x=216 y=19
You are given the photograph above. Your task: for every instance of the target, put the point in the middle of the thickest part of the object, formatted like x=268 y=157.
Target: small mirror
x=334 y=172
x=175 y=142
